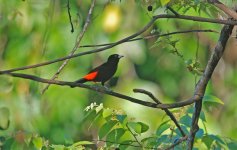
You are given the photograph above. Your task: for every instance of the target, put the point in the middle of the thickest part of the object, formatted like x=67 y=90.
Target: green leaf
x=186 y=120
x=4 y=118
x=135 y=126
x=8 y=143
x=217 y=138
x=185 y=129
x=138 y=127
x=202 y=116
x=162 y=128
x=149 y=141
x=144 y=126
x=200 y=133
x=115 y=135
x=209 y=139
x=164 y=2
x=212 y=99
x=38 y=142
x=163 y=139
x=232 y=145
x=58 y=147
x=105 y=129
x=107 y=112
x=121 y=118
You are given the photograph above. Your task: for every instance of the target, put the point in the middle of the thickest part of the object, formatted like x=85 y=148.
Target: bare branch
x=148 y=94
x=193 y=18
x=78 y=41
x=202 y=83
x=69 y=15
x=224 y=8
x=105 y=91
x=169 y=113
x=153 y=36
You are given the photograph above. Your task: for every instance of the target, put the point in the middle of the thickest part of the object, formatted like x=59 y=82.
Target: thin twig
x=177 y=143
x=105 y=91
x=153 y=36
x=134 y=136
x=172 y=10
x=78 y=41
x=193 y=18
x=69 y=16
x=169 y=113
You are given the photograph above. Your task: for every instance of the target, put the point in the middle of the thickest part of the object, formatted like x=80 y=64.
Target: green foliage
x=36 y=31
x=212 y=99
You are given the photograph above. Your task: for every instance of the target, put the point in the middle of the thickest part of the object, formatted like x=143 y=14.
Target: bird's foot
x=107 y=88
x=102 y=87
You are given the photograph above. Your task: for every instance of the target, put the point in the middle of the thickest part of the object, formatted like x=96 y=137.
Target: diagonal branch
x=105 y=91
x=202 y=83
x=169 y=113
x=153 y=36
x=171 y=147
x=224 y=8
x=183 y=17
x=78 y=41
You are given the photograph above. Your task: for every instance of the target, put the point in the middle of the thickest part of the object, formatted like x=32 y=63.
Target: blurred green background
x=33 y=31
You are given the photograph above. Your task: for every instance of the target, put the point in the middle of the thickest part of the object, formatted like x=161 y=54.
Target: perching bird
x=103 y=72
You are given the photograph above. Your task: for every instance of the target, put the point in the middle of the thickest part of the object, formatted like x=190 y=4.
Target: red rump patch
x=91 y=76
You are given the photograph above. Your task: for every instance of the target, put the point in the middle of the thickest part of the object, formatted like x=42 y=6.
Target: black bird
x=103 y=72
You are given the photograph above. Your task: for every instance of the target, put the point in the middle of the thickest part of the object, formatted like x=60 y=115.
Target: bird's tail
x=82 y=80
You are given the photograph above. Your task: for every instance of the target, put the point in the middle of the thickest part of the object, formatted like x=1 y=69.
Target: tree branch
x=78 y=41
x=193 y=18
x=105 y=91
x=69 y=16
x=153 y=36
x=224 y=8
x=169 y=113
x=172 y=10
x=202 y=83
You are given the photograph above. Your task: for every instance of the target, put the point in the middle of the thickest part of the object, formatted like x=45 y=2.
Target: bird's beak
x=120 y=56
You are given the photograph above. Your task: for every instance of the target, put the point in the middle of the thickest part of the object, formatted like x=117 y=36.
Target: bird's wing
x=94 y=72
x=91 y=76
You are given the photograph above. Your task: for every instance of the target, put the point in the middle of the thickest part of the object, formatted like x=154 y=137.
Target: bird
x=103 y=72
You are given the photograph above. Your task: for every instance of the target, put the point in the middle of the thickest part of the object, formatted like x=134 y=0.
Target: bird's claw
x=107 y=89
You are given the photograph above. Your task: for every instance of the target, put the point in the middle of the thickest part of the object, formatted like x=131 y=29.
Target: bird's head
x=114 y=57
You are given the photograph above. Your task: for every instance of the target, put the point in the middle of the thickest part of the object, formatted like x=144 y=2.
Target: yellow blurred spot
x=112 y=17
